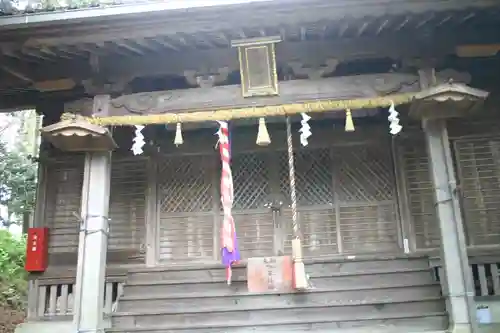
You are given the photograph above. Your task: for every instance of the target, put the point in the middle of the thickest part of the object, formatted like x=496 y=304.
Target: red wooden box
x=37 y=249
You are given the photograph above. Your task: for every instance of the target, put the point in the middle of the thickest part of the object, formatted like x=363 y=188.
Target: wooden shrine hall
x=351 y=144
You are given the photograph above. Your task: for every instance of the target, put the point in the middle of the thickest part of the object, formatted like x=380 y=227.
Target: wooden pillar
x=457 y=278
x=93 y=243
x=457 y=275
x=93 y=240
x=38 y=219
x=152 y=244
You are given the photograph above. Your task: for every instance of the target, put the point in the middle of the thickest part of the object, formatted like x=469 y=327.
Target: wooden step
x=215 y=273
x=247 y=301
x=338 y=281
x=199 y=318
x=429 y=323
x=369 y=294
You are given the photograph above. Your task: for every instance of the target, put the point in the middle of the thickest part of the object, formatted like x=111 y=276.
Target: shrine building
x=261 y=166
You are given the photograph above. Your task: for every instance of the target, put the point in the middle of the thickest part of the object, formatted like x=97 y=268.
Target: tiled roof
x=23 y=7
x=36 y=6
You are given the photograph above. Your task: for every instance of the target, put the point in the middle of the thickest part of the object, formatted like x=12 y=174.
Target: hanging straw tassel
x=178 y=135
x=263 y=138
x=349 y=124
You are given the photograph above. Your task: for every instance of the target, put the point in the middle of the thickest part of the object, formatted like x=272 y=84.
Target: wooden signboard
x=270 y=274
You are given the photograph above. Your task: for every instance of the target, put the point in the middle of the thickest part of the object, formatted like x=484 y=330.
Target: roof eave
x=109 y=11
x=356 y=7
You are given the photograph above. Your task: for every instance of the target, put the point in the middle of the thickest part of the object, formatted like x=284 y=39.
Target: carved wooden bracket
x=114 y=86
x=314 y=72
x=207 y=79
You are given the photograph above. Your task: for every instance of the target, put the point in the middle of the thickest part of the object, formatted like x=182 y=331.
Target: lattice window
x=251 y=181
x=363 y=173
x=420 y=193
x=313 y=173
x=64 y=191
x=479 y=174
x=186 y=217
x=185 y=184
x=127 y=202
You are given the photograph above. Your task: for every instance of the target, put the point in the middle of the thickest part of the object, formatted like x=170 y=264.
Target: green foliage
x=13 y=282
x=18 y=177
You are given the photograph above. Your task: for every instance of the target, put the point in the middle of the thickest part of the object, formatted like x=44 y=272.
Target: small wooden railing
x=486 y=279
x=53 y=299
x=485 y=273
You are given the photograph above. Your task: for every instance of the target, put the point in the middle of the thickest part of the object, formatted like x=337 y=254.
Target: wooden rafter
x=16 y=73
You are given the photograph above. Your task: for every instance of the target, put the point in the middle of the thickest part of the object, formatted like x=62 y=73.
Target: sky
x=9 y=134
x=9 y=128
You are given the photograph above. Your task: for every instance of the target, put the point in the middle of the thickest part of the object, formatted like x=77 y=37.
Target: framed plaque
x=258 y=71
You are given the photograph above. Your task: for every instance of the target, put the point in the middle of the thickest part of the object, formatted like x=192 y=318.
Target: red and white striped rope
x=226 y=188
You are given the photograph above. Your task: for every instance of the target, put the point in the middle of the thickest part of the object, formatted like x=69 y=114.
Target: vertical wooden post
x=456 y=273
x=453 y=246
x=38 y=219
x=93 y=240
x=94 y=231
x=151 y=216
x=407 y=235
x=336 y=202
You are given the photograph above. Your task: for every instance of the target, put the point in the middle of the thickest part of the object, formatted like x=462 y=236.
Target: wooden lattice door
x=185 y=208
x=346 y=200
x=256 y=204
x=365 y=199
x=315 y=198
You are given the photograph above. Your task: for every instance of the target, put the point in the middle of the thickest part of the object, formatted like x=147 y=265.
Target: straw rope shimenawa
x=250 y=112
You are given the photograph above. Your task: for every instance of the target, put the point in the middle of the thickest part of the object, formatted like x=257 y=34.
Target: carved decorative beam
x=225 y=97
x=224 y=103
x=252 y=112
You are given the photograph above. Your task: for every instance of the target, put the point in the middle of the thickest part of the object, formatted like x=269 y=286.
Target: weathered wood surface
x=195 y=298
x=246 y=302
x=295 y=91
x=276 y=316
x=55 y=300
x=168 y=20
x=396 y=325
x=195 y=273
x=121 y=69
x=148 y=289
